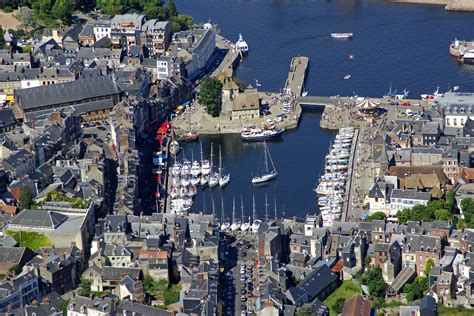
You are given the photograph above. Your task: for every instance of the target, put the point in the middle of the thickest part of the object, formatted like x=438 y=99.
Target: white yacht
x=176 y=170
x=196 y=180
x=245 y=226
x=241 y=45
x=185 y=181
x=468 y=57
x=267 y=175
x=224 y=180
x=225 y=225
x=204 y=179
x=213 y=179
x=186 y=168
x=256 y=225
x=342 y=35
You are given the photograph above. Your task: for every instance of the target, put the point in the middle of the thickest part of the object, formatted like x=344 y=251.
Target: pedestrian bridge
x=321 y=102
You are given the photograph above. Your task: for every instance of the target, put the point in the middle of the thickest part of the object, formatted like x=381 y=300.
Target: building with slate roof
x=14 y=256
x=18 y=291
x=61 y=229
x=92 y=98
x=8 y=121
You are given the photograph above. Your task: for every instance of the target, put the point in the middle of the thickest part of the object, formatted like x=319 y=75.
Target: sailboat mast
x=220 y=162
x=253 y=212
x=222 y=208
x=233 y=210
x=212 y=156
x=200 y=143
x=241 y=208
x=266 y=208
x=275 y=204
x=213 y=207
x=265 y=154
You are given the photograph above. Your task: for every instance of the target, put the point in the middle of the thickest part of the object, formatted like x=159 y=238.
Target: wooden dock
x=297 y=75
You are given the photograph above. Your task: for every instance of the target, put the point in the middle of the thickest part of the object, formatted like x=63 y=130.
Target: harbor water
x=405 y=45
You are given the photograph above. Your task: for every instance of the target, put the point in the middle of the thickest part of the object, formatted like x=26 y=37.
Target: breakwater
x=449 y=5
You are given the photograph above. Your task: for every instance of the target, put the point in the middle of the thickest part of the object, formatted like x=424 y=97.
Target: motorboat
x=176 y=181
x=183 y=192
x=256 y=225
x=196 y=168
x=468 y=57
x=192 y=191
x=267 y=175
x=347 y=77
x=431 y=96
x=402 y=96
x=257 y=134
x=242 y=45
x=189 y=136
x=342 y=35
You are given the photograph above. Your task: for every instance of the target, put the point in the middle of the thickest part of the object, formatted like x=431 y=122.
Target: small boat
x=342 y=35
x=206 y=167
x=176 y=181
x=204 y=179
x=196 y=180
x=267 y=175
x=431 y=96
x=402 y=96
x=468 y=57
x=224 y=180
x=347 y=77
x=351 y=57
x=304 y=93
x=176 y=170
x=257 y=134
x=186 y=168
x=195 y=169
x=185 y=181
x=174 y=193
x=192 y=191
x=174 y=148
x=235 y=226
x=256 y=225
x=245 y=226
x=242 y=45
x=183 y=192
x=225 y=225
x=213 y=180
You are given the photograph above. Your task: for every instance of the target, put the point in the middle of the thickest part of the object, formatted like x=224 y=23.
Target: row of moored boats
x=187 y=176
x=332 y=184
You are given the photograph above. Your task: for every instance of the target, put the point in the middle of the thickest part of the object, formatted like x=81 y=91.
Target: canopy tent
x=367 y=104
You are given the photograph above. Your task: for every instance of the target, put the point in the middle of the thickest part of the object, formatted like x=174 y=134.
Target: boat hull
x=261 y=137
x=264 y=178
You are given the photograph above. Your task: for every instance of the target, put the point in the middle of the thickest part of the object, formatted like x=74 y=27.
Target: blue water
x=402 y=44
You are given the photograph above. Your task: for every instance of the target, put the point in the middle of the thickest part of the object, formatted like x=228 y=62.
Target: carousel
x=368 y=110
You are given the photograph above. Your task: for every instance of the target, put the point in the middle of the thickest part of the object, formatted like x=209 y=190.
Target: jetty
x=297 y=75
x=231 y=58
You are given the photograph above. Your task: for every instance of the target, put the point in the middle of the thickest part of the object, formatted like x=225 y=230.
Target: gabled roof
x=39 y=219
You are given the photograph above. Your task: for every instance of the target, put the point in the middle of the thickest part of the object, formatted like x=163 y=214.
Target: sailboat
x=245 y=225
x=174 y=146
x=225 y=223
x=268 y=174
x=235 y=224
x=213 y=177
x=223 y=179
x=256 y=222
x=389 y=94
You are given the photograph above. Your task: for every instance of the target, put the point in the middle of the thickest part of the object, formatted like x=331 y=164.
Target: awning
x=367 y=104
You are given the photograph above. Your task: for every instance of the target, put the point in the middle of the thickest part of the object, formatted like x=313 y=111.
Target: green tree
x=429 y=264
x=43 y=6
x=374 y=281
x=181 y=22
x=210 y=95
x=26 y=49
x=442 y=214
x=451 y=201
x=467 y=207
x=375 y=216
x=403 y=216
x=170 y=9
x=85 y=287
x=460 y=225
x=63 y=10
x=338 y=305
x=154 y=9
x=111 y=7
x=304 y=311
x=62 y=305
x=26 y=198
x=27 y=18
x=416 y=289
x=2 y=39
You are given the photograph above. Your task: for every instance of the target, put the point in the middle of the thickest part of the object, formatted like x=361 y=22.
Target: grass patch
x=453 y=311
x=345 y=291
x=31 y=240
